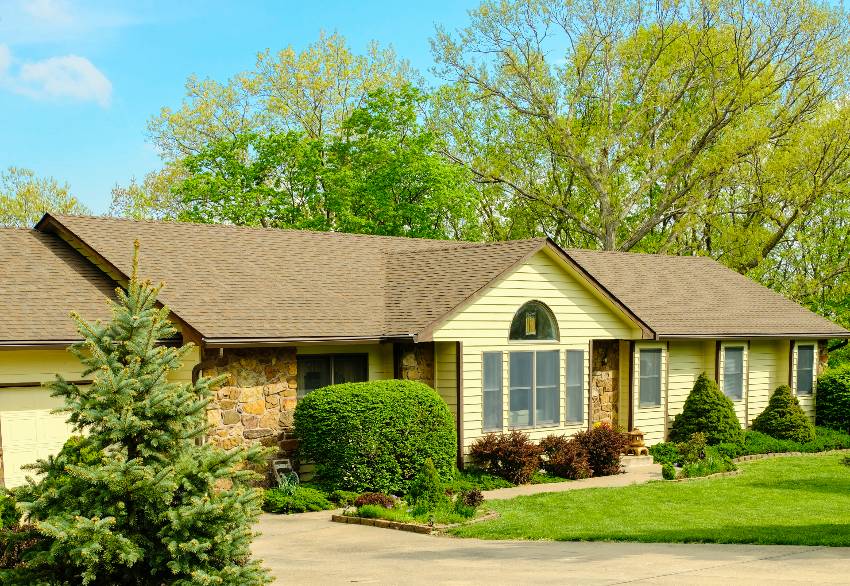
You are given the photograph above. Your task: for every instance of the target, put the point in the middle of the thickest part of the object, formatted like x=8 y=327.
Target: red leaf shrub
x=604 y=446
x=565 y=457
x=375 y=498
x=511 y=456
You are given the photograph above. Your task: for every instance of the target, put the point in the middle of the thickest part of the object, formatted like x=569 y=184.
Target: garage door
x=28 y=436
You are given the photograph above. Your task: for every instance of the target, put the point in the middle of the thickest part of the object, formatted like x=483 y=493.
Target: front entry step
x=629 y=462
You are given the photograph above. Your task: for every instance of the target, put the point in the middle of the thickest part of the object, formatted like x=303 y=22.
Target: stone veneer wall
x=256 y=402
x=416 y=362
x=604 y=381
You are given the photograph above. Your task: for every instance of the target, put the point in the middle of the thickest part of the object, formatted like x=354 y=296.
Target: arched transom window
x=534 y=321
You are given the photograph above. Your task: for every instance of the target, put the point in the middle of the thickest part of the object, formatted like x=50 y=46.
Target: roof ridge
x=632 y=253
x=61 y=217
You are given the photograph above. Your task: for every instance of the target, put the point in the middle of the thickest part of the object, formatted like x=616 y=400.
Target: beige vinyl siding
x=445 y=375
x=28 y=429
x=765 y=374
x=380 y=356
x=740 y=405
x=483 y=325
x=623 y=392
x=807 y=402
x=650 y=419
x=687 y=360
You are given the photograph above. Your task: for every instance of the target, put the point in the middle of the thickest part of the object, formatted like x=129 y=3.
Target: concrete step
x=629 y=462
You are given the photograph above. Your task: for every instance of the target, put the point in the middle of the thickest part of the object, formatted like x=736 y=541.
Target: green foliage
x=664 y=453
x=375 y=435
x=709 y=411
x=382 y=175
x=565 y=457
x=472 y=477
x=343 y=498
x=511 y=456
x=712 y=462
x=427 y=489
x=301 y=500
x=9 y=514
x=668 y=471
x=832 y=408
x=784 y=419
x=25 y=197
x=138 y=496
x=692 y=450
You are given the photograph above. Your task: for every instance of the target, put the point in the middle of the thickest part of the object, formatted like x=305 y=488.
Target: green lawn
x=794 y=500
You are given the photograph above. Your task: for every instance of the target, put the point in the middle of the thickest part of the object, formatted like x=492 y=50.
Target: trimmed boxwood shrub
x=832 y=408
x=784 y=419
x=709 y=411
x=375 y=435
x=511 y=456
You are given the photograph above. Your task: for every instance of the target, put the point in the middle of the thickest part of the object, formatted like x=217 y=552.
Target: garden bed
x=410 y=526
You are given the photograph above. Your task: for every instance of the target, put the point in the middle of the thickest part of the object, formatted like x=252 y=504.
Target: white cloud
x=67 y=76
x=51 y=11
x=5 y=60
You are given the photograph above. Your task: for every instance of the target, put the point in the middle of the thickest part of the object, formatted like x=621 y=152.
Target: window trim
x=660 y=353
x=533 y=408
x=555 y=340
x=484 y=391
x=811 y=370
x=743 y=374
x=332 y=356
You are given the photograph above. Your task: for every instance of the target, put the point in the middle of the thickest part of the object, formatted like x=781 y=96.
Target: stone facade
x=257 y=401
x=604 y=381
x=416 y=362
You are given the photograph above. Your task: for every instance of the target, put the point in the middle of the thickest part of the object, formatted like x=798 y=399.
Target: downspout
x=459 y=399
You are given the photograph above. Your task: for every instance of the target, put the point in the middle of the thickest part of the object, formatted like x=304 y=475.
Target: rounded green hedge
x=832 y=405
x=375 y=436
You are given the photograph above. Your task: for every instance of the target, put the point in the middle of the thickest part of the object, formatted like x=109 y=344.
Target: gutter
x=744 y=336
x=266 y=341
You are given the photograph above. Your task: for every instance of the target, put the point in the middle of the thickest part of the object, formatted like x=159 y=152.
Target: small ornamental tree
x=784 y=419
x=143 y=502
x=709 y=411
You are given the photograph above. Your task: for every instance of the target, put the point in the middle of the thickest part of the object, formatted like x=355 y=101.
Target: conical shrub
x=784 y=419
x=709 y=411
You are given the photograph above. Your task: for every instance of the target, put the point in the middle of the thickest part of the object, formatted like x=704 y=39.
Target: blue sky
x=80 y=79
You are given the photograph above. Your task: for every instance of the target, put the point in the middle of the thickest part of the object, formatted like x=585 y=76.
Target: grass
x=802 y=500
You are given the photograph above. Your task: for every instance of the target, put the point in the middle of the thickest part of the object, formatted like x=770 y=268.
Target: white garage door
x=28 y=436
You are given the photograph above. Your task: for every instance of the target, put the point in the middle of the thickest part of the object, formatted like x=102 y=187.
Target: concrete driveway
x=310 y=549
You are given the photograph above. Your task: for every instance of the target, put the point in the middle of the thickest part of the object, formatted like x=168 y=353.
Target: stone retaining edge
x=411 y=527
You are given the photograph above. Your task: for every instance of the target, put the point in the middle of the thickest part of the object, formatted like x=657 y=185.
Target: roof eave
x=745 y=335
x=235 y=342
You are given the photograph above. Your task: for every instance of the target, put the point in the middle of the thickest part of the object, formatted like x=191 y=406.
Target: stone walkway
x=633 y=475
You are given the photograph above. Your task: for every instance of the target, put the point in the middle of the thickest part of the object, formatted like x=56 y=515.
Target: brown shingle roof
x=237 y=283
x=250 y=283
x=43 y=279
x=698 y=296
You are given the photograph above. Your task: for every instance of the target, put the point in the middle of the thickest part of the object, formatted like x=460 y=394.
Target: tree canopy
x=25 y=197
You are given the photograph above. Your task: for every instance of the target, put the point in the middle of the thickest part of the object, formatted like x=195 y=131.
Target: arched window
x=534 y=321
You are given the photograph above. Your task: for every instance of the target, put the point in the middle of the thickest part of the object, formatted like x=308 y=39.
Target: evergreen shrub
x=832 y=405
x=784 y=419
x=709 y=411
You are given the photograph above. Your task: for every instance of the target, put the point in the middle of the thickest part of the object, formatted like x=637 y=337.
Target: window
x=522 y=375
x=575 y=385
x=805 y=369
x=315 y=372
x=493 y=391
x=534 y=321
x=535 y=388
x=733 y=373
x=547 y=384
x=650 y=378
